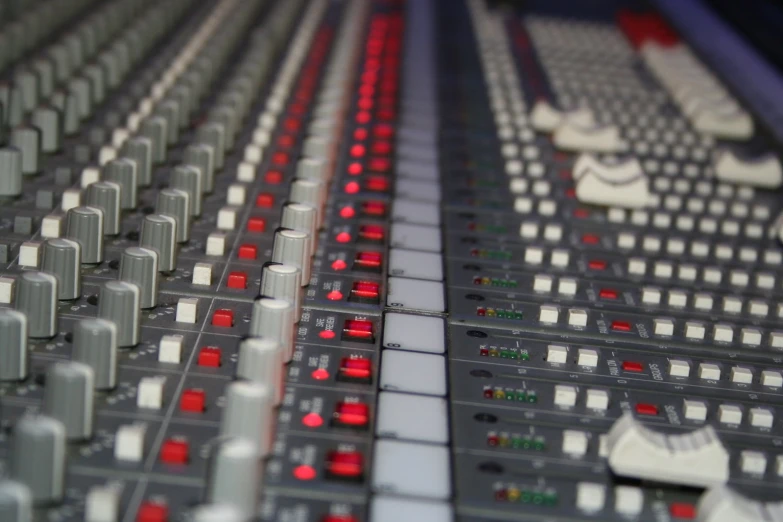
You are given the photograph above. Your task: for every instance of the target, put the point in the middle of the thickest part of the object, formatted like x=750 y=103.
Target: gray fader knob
x=298 y=216
x=85 y=225
x=105 y=195
x=249 y=414
x=159 y=233
x=62 y=257
x=202 y=156
x=36 y=297
x=69 y=396
x=13 y=348
x=122 y=171
x=139 y=149
x=49 y=121
x=274 y=319
x=216 y=513
x=38 y=457
x=16 y=502
x=283 y=282
x=10 y=172
x=234 y=476
x=28 y=140
x=175 y=203
x=95 y=344
x=261 y=360
x=119 y=302
x=140 y=266
x=189 y=179
x=292 y=247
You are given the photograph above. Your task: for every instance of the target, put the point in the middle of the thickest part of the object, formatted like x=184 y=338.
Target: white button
x=548 y=314
x=616 y=215
x=713 y=275
x=723 y=333
x=753 y=462
x=89 y=175
x=393 y=509
x=566 y=286
x=702 y=302
x=170 y=349
x=738 y=278
x=415 y=264
x=651 y=295
x=416 y=470
x=216 y=244
x=565 y=395
x=751 y=336
x=413 y=372
x=30 y=254
x=679 y=368
x=415 y=294
x=236 y=194
x=414 y=332
x=677 y=298
x=590 y=496
x=732 y=305
x=202 y=274
x=758 y=308
x=687 y=272
x=7 y=285
x=52 y=226
x=542 y=283
x=246 y=172
x=534 y=255
x=560 y=258
x=102 y=504
x=597 y=400
x=628 y=500
x=771 y=378
x=729 y=414
x=709 y=371
x=761 y=418
x=651 y=244
x=663 y=326
x=227 y=218
x=695 y=410
x=577 y=317
x=626 y=240
x=574 y=443
x=587 y=357
x=741 y=375
x=187 y=310
x=71 y=198
x=129 y=442
x=553 y=232
x=637 y=266
x=556 y=354
x=694 y=330
x=528 y=230
x=412 y=417
x=150 y=392
x=415 y=237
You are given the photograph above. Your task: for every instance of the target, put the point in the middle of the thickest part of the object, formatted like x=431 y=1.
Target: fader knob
x=49 y=121
x=14 y=356
x=62 y=257
x=10 y=172
x=105 y=195
x=36 y=297
x=140 y=266
x=28 y=141
x=139 y=149
x=274 y=319
x=16 y=502
x=38 y=457
x=95 y=344
x=189 y=179
x=234 y=477
x=249 y=414
x=69 y=396
x=122 y=171
x=283 y=282
x=159 y=233
x=261 y=361
x=119 y=302
x=175 y=203
x=216 y=513
x=85 y=226
x=298 y=216
x=292 y=247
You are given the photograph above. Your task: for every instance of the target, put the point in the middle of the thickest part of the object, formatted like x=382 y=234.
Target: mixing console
x=384 y=260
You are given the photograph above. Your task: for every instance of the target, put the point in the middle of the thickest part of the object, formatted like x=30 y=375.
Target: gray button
x=175 y=203
x=14 y=357
x=159 y=233
x=16 y=502
x=415 y=294
x=413 y=372
x=36 y=297
x=415 y=470
x=417 y=190
x=416 y=212
x=234 y=478
x=38 y=457
x=68 y=397
x=105 y=195
x=395 y=509
x=415 y=237
x=415 y=264
x=119 y=302
x=140 y=267
x=95 y=344
x=414 y=332
x=412 y=417
x=311 y=168
x=62 y=257
x=85 y=225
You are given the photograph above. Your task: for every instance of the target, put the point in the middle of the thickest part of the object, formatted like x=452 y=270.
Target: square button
x=414 y=332
x=418 y=265
x=409 y=469
x=416 y=294
x=393 y=509
x=412 y=417
x=413 y=373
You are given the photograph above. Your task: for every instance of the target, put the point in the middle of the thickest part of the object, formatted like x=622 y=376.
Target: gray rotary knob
x=36 y=297
x=38 y=457
x=158 y=233
x=49 y=121
x=311 y=168
x=95 y=344
x=292 y=247
x=15 y=107
x=227 y=117
x=202 y=156
x=183 y=94
x=216 y=513
x=122 y=171
x=69 y=397
x=234 y=476
x=317 y=147
x=274 y=319
x=27 y=80
x=249 y=414
x=85 y=226
x=175 y=203
x=119 y=302
x=45 y=69
x=283 y=282
x=106 y=196
x=62 y=257
x=309 y=192
x=298 y=216
x=10 y=172
x=28 y=140
x=261 y=360
x=16 y=502
x=189 y=179
x=155 y=129
x=139 y=149
x=169 y=111
x=71 y=115
x=14 y=357
x=214 y=134
x=140 y=266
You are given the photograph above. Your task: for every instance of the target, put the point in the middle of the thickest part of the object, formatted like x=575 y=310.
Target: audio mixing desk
x=388 y=261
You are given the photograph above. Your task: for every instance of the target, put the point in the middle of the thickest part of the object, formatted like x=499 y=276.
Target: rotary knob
x=69 y=396
x=139 y=149
x=283 y=282
x=140 y=267
x=10 y=171
x=298 y=216
x=16 y=502
x=309 y=192
x=175 y=203
x=95 y=344
x=36 y=297
x=311 y=168
x=274 y=319
x=158 y=233
x=14 y=357
x=189 y=179
x=62 y=257
x=85 y=226
x=38 y=457
x=249 y=414
x=261 y=360
x=28 y=141
x=105 y=195
x=292 y=247
x=119 y=303
x=234 y=477
x=122 y=171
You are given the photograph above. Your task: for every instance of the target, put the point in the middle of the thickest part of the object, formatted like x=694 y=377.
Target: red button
x=285 y=141
x=372 y=232
x=383 y=130
x=621 y=326
x=366 y=290
x=248 y=251
x=597 y=264
x=344 y=465
x=280 y=158
x=210 y=357
x=256 y=224
x=152 y=512
x=379 y=164
x=381 y=147
x=644 y=408
x=374 y=208
x=590 y=239
x=273 y=177
x=354 y=414
x=607 y=293
x=682 y=510
x=358 y=330
x=369 y=261
x=633 y=366
x=175 y=451
x=265 y=200
x=223 y=317
x=237 y=280
x=339 y=518
x=376 y=184
x=355 y=369
x=193 y=400
x=581 y=213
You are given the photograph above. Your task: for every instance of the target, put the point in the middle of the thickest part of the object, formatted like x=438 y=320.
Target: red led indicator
x=621 y=326
x=347 y=212
x=304 y=473
x=326 y=334
x=607 y=293
x=597 y=264
x=633 y=366
x=374 y=208
x=354 y=169
x=343 y=237
x=312 y=420
x=352 y=187
x=339 y=264
x=372 y=232
x=334 y=295
x=320 y=374
x=644 y=408
x=590 y=239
